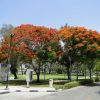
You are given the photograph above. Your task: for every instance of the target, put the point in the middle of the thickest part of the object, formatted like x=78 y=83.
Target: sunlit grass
x=48 y=76
x=59 y=80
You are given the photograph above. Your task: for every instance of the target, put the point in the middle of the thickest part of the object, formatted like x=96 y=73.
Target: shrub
x=85 y=81
x=77 y=83
x=96 y=79
x=71 y=85
x=58 y=87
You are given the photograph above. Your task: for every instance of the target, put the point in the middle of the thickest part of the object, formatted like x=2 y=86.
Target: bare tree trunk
x=21 y=70
x=68 y=73
x=77 y=72
x=90 y=74
x=38 y=74
x=38 y=77
x=14 y=71
x=85 y=73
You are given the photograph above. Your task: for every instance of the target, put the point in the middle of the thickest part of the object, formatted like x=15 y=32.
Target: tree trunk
x=44 y=73
x=12 y=60
x=38 y=74
x=21 y=70
x=97 y=73
x=85 y=73
x=36 y=66
x=14 y=71
x=70 y=67
x=68 y=73
x=50 y=69
x=77 y=73
x=38 y=77
x=90 y=74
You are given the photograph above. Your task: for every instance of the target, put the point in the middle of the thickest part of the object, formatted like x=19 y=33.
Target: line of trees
x=39 y=45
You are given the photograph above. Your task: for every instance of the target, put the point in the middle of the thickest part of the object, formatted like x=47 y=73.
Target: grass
x=43 y=83
x=48 y=76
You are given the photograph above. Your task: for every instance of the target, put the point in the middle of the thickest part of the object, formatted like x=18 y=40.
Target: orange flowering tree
x=36 y=43
x=81 y=43
x=3 y=51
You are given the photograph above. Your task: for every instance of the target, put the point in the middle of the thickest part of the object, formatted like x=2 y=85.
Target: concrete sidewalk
x=10 y=89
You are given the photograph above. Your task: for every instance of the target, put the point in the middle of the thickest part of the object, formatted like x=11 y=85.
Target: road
x=77 y=93
x=23 y=95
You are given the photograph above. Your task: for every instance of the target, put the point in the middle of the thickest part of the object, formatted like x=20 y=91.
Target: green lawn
x=43 y=83
x=49 y=76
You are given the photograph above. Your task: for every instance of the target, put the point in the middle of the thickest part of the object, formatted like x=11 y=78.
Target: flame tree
x=81 y=44
x=37 y=44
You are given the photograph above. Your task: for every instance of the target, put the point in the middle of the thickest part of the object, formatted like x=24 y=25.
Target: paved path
x=23 y=93
x=25 y=89
x=77 y=93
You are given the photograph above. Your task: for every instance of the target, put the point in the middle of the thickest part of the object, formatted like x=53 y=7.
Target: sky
x=51 y=13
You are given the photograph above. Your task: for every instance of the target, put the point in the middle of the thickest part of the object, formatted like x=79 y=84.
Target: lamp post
x=9 y=61
x=7 y=78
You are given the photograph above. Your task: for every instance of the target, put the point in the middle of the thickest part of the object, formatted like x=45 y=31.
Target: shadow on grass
x=42 y=83
x=93 y=84
x=88 y=82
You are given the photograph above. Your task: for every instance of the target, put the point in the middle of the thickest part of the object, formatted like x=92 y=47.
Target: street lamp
x=7 y=77
x=9 y=61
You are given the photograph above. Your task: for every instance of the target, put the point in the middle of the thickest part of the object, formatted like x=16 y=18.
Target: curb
x=17 y=91
x=9 y=91
x=33 y=91
x=51 y=91
x=5 y=92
